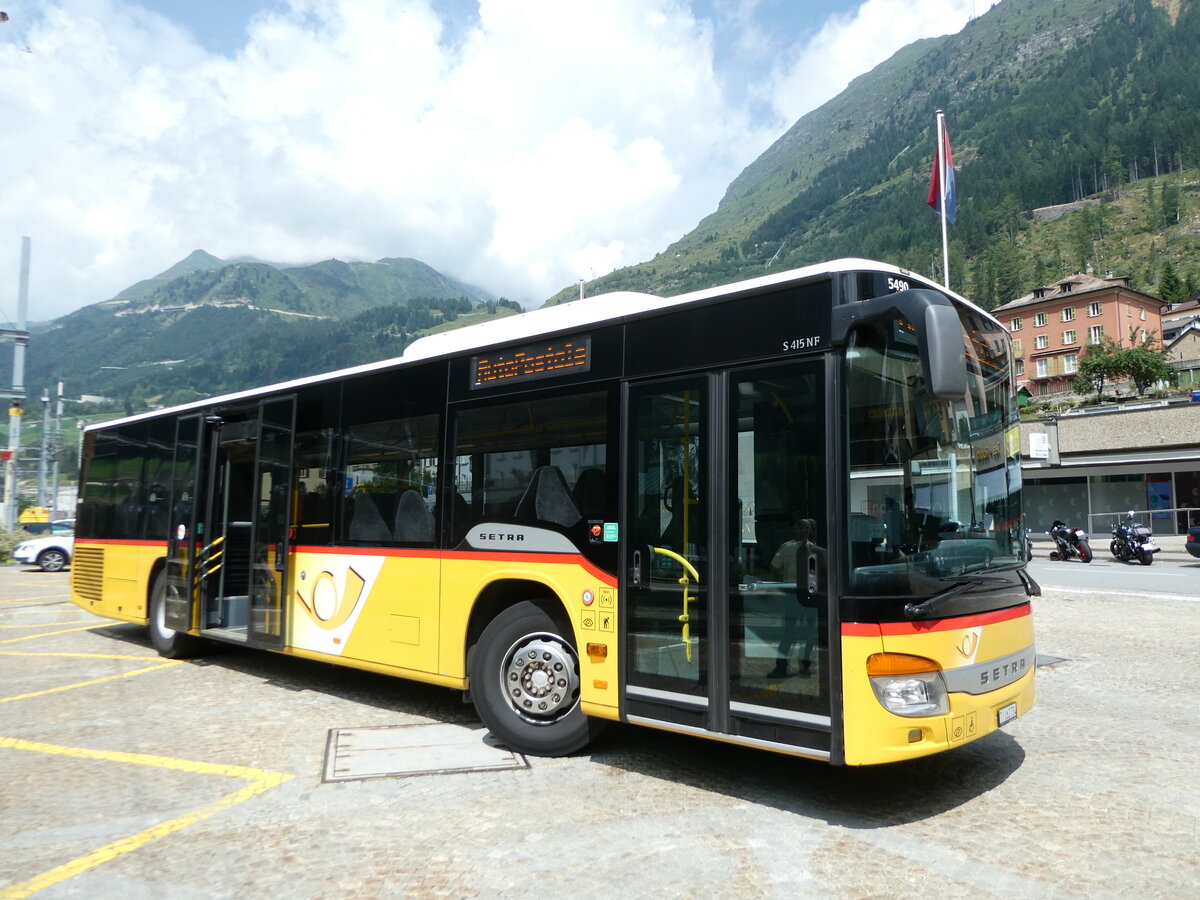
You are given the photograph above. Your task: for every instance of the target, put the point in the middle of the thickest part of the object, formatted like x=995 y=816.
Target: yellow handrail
x=208 y=561
x=686 y=618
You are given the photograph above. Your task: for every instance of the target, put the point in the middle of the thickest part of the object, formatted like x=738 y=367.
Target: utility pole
x=43 y=498
x=58 y=451
x=16 y=397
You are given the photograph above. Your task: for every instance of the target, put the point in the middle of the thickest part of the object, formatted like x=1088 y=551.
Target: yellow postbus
x=783 y=513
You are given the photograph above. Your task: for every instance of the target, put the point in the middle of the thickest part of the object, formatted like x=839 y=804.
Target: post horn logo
x=326 y=605
x=968 y=643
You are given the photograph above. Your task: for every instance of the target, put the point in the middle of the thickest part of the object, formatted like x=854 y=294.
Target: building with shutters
x=1053 y=326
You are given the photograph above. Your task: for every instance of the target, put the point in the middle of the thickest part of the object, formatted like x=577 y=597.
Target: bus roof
x=600 y=308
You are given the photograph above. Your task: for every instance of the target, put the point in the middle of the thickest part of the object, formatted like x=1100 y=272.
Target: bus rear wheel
x=525 y=683
x=167 y=641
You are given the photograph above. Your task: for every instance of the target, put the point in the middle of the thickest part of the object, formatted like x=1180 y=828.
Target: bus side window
x=366 y=521
x=547 y=499
x=413 y=521
x=461 y=518
x=591 y=493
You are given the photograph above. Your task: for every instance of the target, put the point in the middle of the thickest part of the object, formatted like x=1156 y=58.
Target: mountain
x=1076 y=134
x=1047 y=102
x=213 y=325
x=196 y=261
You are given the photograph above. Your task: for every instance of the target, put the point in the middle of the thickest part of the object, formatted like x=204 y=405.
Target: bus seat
x=462 y=517
x=313 y=508
x=547 y=499
x=414 y=521
x=366 y=522
x=591 y=493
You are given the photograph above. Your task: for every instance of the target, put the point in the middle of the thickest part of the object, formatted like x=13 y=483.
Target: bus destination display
x=533 y=361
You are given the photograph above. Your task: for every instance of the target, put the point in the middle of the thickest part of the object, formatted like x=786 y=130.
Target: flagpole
x=941 y=155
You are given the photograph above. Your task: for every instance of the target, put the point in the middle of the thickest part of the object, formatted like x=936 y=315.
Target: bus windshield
x=934 y=483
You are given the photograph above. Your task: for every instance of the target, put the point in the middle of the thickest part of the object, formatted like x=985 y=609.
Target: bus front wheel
x=525 y=683
x=167 y=641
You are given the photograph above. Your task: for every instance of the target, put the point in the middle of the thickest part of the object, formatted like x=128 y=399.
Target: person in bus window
x=789 y=565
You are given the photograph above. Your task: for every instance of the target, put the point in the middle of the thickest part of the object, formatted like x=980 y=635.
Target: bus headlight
x=908 y=685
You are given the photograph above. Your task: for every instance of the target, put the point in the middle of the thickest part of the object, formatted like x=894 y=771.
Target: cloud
x=537 y=143
x=855 y=42
x=547 y=142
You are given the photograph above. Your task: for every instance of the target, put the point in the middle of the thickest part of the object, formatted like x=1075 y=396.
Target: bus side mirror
x=939 y=334
x=942 y=353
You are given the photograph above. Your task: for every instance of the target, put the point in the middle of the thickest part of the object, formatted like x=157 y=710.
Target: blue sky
x=220 y=25
x=516 y=144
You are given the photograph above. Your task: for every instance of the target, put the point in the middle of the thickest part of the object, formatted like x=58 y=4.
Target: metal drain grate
x=398 y=751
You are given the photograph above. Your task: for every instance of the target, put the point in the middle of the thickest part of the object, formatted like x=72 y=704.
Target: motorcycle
x=1070 y=542
x=1132 y=540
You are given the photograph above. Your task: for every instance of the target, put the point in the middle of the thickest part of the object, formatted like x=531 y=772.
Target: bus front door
x=734 y=641
x=668 y=650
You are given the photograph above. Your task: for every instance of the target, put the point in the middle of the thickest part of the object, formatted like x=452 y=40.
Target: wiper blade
x=961 y=583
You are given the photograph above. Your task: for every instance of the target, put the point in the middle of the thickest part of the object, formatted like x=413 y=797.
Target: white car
x=52 y=552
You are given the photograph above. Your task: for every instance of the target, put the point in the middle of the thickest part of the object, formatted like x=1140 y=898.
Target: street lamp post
x=20 y=339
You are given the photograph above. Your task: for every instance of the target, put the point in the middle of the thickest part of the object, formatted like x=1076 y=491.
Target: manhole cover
x=401 y=750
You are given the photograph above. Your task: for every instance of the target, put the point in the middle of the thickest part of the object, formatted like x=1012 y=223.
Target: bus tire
x=167 y=641
x=525 y=683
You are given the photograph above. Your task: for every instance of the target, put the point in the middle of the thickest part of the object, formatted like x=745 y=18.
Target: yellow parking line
x=44 y=624
x=79 y=684
x=260 y=780
x=30 y=637
x=147 y=759
x=58 y=597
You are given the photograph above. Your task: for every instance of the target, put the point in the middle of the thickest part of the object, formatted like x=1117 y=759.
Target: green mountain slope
x=210 y=326
x=1076 y=133
x=1047 y=102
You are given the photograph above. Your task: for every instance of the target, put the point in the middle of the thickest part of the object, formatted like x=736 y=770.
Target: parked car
x=52 y=553
x=1193 y=541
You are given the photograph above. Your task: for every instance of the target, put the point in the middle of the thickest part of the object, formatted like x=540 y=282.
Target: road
x=128 y=776
x=1173 y=573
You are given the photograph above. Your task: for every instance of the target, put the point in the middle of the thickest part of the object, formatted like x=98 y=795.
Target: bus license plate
x=1006 y=714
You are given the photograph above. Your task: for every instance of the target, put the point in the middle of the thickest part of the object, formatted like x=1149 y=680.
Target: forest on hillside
x=1114 y=118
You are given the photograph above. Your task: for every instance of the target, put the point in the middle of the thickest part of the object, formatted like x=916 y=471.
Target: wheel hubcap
x=540 y=678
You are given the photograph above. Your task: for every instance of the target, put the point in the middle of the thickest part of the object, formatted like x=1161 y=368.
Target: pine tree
x=1006 y=266
x=1170 y=288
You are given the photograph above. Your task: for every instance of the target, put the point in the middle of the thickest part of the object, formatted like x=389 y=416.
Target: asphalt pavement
x=129 y=776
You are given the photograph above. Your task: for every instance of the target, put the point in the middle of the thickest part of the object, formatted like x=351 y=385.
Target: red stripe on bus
x=860 y=629
x=411 y=552
x=571 y=559
x=871 y=629
x=553 y=559
x=117 y=542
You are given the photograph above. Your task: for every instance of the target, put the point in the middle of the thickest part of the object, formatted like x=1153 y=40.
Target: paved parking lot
x=128 y=776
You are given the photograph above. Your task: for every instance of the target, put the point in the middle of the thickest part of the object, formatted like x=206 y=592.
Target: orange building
x=1052 y=327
